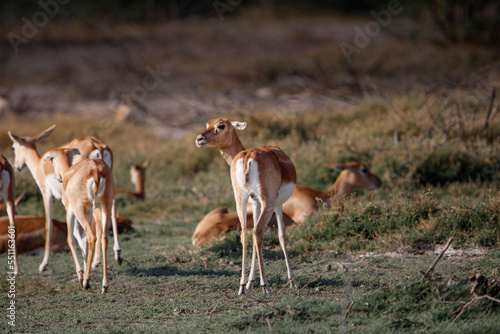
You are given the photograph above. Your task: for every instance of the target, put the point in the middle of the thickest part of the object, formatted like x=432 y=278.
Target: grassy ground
x=166 y=285
x=416 y=119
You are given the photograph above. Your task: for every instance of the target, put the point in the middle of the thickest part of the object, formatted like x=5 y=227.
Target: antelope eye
x=364 y=170
x=221 y=126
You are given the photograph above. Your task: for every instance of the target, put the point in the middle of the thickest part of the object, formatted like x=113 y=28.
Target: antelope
x=138 y=178
x=220 y=221
x=30 y=233
x=129 y=109
x=26 y=153
x=353 y=175
x=266 y=177
x=86 y=186
x=3 y=206
x=7 y=190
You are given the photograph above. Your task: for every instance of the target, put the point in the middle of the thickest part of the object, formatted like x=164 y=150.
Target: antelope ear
x=49 y=155
x=44 y=134
x=239 y=125
x=337 y=166
x=14 y=138
x=146 y=163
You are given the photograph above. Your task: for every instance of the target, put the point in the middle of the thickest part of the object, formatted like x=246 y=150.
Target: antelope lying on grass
x=7 y=188
x=266 y=177
x=220 y=221
x=31 y=233
x=86 y=186
x=3 y=206
x=43 y=172
x=353 y=175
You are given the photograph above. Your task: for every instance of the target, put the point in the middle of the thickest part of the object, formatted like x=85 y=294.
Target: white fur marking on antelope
x=248 y=182
x=102 y=187
x=285 y=193
x=90 y=189
x=52 y=183
x=95 y=154
x=107 y=158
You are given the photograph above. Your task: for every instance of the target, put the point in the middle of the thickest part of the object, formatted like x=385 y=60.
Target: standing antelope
x=43 y=172
x=86 y=186
x=266 y=177
x=7 y=188
x=353 y=175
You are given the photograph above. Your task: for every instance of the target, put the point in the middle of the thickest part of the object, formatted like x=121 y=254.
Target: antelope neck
x=230 y=152
x=339 y=188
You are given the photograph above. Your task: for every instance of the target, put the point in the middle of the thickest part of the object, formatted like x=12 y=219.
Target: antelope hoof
x=80 y=277
x=118 y=258
x=105 y=289
x=250 y=285
x=243 y=290
x=266 y=289
x=86 y=284
x=293 y=284
x=42 y=267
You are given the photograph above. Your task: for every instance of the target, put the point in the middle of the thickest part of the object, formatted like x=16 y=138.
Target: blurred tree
x=465 y=20
x=459 y=20
x=12 y=11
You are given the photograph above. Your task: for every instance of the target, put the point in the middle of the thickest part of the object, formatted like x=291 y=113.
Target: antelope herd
x=80 y=173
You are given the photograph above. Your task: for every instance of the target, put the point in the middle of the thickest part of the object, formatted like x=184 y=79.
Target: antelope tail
x=246 y=170
x=95 y=187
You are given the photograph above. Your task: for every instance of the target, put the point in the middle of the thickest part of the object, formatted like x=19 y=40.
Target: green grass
x=166 y=285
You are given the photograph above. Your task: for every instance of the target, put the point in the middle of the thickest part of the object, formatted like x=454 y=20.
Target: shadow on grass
x=168 y=270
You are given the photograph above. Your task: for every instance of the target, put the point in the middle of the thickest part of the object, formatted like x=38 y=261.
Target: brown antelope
x=129 y=109
x=7 y=189
x=30 y=232
x=305 y=201
x=220 y=221
x=3 y=206
x=266 y=177
x=43 y=172
x=86 y=186
x=138 y=178
x=91 y=148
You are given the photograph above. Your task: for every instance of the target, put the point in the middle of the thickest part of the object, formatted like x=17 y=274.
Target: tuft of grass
x=449 y=163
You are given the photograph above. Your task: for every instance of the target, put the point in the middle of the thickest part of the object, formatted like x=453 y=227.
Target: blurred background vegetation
x=458 y=20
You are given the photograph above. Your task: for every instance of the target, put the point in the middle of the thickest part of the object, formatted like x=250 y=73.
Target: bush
x=376 y=226
x=450 y=164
